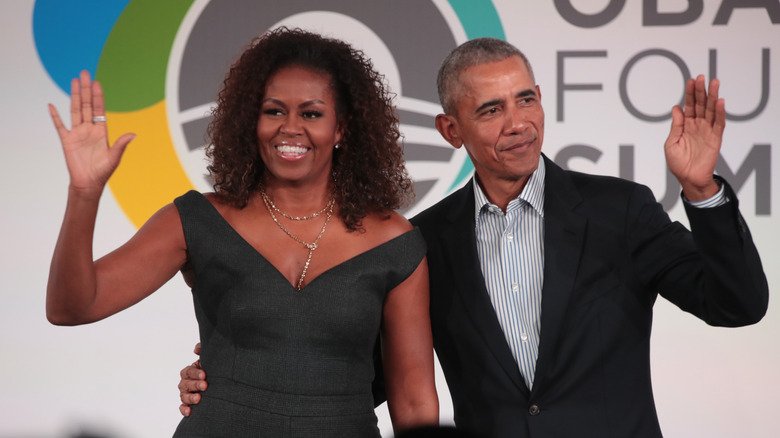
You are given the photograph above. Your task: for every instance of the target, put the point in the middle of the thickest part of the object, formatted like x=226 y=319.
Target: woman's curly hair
x=368 y=167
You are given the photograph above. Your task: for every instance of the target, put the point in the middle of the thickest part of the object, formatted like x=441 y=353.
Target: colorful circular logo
x=161 y=63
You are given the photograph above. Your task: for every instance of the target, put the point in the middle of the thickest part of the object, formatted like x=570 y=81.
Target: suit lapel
x=564 y=232
x=461 y=254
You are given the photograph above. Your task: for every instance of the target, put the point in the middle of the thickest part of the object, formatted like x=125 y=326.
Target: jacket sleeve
x=712 y=271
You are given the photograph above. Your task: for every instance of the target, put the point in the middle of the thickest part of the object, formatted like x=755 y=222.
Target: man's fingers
x=712 y=100
x=678 y=120
x=187 y=386
x=688 y=109
x=700 y=97
x=719 y=124
x=192 y=373
x=189 y=397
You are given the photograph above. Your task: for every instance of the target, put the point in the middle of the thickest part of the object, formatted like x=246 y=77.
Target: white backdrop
x=118 y=377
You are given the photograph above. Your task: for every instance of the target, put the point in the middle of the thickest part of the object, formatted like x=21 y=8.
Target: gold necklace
x=310 y=246
x=268 y=202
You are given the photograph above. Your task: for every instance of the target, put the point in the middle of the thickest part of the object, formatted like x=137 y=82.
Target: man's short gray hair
x=469 y=54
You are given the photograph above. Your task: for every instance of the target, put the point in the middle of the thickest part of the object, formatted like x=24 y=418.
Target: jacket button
x=534 y=410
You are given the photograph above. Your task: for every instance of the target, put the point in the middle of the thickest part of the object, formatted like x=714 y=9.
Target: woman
x=297 y=260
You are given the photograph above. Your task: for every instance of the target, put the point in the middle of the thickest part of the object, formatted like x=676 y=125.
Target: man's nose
x=514 y=120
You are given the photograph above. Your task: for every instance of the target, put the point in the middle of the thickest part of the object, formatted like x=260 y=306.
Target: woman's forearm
x=419 y=409
x=71 y=287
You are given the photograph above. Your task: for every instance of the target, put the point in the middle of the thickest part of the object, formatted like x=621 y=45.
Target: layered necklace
x=272 y=209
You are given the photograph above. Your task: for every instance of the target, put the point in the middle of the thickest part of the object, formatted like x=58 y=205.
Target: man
x=543 y=280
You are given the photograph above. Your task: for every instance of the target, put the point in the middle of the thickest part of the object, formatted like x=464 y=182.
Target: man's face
x=500 y=120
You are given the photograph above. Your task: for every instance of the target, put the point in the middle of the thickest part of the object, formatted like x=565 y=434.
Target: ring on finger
x=99 y=119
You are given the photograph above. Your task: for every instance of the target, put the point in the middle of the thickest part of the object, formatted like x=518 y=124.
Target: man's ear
x=449 y=129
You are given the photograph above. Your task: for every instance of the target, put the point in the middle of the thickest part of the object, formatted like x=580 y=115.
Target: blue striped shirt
x=511 y=255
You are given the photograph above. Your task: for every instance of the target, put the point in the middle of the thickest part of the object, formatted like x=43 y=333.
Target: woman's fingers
x=58 y=125
x=75 y=102
x=86 y=100
x=87 y=104
x=98 y=103
x=85 y=84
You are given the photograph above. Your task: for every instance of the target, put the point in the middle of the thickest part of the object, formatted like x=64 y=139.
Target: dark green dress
x=281 y=362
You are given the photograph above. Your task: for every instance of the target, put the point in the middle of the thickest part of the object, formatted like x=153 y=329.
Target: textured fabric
x=282 y=362
x=511 y=254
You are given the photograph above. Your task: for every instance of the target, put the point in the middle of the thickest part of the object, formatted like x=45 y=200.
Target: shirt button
x=524 y=337
x=515 y=287
x=534 y=410
x=510 y=237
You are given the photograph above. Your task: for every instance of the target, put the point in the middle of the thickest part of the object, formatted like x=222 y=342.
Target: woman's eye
x=312 y=114
x=272 y=111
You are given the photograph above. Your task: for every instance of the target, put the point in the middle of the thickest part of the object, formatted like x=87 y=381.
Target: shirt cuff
x=715 y=200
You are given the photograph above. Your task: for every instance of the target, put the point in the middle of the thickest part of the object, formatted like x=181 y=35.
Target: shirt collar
x=533 y=193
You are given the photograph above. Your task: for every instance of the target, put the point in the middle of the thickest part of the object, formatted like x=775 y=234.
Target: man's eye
x=528 y=99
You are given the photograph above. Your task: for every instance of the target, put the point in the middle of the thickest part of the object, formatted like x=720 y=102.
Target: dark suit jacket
x=609 y=251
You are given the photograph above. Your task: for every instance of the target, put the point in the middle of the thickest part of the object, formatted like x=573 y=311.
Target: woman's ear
x=340 y=134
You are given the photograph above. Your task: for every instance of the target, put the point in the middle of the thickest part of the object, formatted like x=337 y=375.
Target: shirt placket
x=513 y=258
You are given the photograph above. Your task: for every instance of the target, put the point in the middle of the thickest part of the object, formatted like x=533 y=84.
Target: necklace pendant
x=310 y=246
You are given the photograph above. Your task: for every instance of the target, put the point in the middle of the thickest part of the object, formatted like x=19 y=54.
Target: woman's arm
x=79 y=290
x=407 y=351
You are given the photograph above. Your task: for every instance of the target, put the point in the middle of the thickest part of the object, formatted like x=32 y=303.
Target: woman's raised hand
x=88 y=156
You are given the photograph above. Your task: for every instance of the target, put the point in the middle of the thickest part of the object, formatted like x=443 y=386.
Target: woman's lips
x=291 y=151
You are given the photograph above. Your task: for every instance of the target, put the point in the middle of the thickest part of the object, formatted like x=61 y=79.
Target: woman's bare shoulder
x=386 y=226
x=223 y=206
